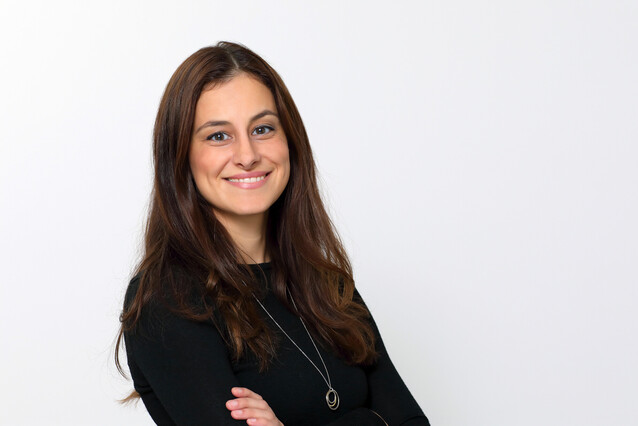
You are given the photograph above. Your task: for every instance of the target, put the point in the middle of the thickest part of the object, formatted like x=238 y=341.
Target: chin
x=245 y=211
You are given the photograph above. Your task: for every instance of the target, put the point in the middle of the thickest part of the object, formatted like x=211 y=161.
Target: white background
x=479 y=159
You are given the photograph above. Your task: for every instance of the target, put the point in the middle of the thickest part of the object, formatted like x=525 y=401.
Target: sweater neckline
x=257 y=266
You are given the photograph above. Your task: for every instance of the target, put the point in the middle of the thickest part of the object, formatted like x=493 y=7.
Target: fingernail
x=232 y=403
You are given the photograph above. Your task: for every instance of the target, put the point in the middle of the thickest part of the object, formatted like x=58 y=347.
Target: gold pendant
x=332 y=398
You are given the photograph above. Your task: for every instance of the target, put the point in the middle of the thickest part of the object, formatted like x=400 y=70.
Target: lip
x=249 y=185
x=247 y=175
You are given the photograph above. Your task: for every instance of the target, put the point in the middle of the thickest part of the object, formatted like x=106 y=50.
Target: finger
x=240 y=403
x=263 y=422
x=245 y=392
x=252 y=413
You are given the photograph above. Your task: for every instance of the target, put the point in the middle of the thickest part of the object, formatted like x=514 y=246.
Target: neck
x=248 y=234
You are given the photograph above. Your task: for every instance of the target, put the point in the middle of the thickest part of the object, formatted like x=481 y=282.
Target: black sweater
x=184 y=371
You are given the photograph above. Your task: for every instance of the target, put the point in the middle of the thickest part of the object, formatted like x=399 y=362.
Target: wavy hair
x=190 y=259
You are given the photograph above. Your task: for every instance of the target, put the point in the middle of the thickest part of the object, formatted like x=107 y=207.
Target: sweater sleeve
x=389 y=397
x=181 y=368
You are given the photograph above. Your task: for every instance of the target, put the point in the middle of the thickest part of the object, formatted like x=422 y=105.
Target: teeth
x=248 y=180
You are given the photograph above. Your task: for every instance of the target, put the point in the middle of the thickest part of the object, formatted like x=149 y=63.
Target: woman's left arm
x=389 y=397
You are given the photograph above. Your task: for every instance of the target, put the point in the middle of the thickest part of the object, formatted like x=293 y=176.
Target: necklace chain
x=327 y=380
x=332 y=397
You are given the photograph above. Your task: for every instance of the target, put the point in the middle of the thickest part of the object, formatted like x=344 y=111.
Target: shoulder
x=131 y=291
x=152 y=302
x=173 y=287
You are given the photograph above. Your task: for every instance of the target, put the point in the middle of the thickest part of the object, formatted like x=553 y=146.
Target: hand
x=251 y=407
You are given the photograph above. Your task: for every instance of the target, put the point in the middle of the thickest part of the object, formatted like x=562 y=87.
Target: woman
x=243 y=308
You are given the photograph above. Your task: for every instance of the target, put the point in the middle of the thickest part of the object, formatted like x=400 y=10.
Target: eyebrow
x=213 y=123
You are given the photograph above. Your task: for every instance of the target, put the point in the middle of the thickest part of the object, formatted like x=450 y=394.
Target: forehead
x=241 y=96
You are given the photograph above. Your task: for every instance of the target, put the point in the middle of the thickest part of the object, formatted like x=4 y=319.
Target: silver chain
x=332 y=397
x=328 y=381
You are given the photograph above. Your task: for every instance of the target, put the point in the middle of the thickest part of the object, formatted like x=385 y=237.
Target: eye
x=218 y=137
x=263 y=130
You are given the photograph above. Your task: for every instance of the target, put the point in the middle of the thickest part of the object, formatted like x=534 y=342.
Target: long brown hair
x=189 y=257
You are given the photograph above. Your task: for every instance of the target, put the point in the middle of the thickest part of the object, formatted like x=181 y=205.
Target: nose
x=246 y=155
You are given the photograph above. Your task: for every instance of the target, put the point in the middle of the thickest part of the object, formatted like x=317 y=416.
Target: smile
x=248 y=180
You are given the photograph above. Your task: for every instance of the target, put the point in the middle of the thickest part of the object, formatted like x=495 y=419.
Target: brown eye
x=218 y=137
x=262 y=130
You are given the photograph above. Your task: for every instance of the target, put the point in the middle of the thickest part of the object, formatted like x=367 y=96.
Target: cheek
x=197 y=167
x=197 y=172
x=285 y=158
x=287 y=165
x=284 y=161
x=204 y=165
x=204 y=171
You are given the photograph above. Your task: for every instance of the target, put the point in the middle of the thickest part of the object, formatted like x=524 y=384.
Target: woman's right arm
x=181 y=368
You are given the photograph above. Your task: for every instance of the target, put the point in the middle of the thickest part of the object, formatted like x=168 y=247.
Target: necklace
x=332 y=397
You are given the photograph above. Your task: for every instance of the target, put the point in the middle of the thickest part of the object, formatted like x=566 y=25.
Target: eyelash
x=214 y=137
x=265 y=127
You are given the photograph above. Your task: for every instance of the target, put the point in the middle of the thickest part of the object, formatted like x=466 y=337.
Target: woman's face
x=238 y=152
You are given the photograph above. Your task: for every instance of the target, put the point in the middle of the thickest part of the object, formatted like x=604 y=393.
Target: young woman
x=243 y=308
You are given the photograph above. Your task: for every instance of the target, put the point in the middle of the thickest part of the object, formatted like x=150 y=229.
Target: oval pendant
x=332 y=398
